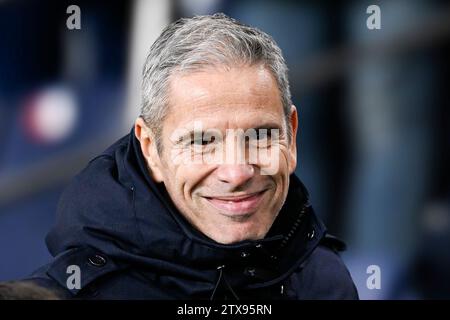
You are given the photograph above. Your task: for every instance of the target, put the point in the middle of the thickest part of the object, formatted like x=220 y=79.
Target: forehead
x=221 y=97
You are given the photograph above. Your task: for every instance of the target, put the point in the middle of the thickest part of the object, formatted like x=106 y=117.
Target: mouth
x=238 y=205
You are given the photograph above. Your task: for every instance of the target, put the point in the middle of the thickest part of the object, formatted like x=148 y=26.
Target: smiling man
x=200 y=200
x=228 y=200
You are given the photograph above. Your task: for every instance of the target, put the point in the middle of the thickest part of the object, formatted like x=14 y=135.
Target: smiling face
x=227 y=199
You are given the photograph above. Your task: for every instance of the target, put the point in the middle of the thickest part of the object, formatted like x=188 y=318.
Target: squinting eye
x=202 y=142
x=262 y=134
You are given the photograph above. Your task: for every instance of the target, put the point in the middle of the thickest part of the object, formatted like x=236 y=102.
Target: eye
x=262 y=138
x=262 y=134
x=203 y=142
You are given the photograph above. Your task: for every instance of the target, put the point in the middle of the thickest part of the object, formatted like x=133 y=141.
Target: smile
x=237 y=205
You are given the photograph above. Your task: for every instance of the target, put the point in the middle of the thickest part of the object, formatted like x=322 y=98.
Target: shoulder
x=324 y=276
x=100 y=187
x=104 y=166
x=75 y=273
x=86 y=273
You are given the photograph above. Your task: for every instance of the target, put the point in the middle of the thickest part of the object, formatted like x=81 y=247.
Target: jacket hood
x=115 y=207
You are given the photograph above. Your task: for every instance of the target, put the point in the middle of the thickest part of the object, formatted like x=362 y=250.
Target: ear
x=293 y=144
x=148 y=148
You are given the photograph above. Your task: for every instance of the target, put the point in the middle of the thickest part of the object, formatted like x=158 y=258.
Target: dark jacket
x=129 y=241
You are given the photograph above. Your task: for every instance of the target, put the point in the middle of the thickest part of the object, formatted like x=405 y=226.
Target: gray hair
x=190 y=44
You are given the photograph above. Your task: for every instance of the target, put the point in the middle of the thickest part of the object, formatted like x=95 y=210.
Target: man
x=200 y=200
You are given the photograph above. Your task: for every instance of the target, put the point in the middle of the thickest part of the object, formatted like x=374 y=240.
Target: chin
x=234 y=236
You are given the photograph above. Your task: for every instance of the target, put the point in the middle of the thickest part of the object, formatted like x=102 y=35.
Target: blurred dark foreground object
x=24 y=290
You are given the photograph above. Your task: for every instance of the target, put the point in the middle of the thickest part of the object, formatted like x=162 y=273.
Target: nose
x=235 y=174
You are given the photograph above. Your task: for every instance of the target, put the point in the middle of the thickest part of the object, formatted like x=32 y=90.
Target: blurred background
x=374 y=111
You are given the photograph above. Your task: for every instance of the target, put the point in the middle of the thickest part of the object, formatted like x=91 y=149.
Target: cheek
x=173 y=176
x=186 y=179
x=284 y=160
x=282 y=176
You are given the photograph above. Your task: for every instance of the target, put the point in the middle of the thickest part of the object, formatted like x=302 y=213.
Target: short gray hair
x=200 y=42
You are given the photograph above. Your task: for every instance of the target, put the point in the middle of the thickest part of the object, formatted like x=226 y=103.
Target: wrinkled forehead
x=224 y=98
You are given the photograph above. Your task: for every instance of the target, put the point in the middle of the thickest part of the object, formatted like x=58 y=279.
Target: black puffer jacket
x=128 y=240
